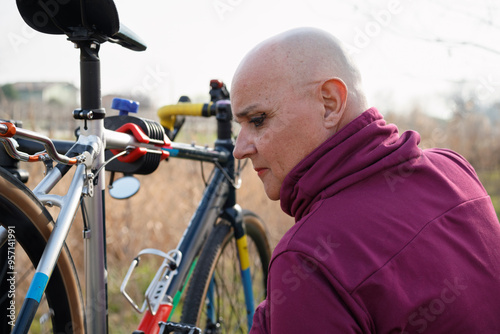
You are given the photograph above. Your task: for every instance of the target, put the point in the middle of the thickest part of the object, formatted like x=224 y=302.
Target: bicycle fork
x=246 y=278
x=235 y=217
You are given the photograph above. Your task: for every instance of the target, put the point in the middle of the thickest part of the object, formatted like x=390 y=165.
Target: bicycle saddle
x=95 y=20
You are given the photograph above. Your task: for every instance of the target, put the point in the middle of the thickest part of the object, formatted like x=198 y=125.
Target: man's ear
x=334 y=94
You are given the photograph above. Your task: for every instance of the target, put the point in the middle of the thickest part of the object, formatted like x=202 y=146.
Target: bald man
x=389 y=238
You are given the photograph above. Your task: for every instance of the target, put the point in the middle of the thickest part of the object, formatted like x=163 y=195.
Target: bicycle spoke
x=231 y=292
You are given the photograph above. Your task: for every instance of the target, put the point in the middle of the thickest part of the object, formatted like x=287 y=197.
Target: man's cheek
x=266 y=139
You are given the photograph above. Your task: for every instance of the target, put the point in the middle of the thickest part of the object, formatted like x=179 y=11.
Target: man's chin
x=273 y=195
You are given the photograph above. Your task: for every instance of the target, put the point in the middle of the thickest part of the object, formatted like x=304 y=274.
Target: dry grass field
x=156 y=217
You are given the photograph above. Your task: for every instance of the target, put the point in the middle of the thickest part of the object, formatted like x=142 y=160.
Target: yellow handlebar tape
x=167 y=113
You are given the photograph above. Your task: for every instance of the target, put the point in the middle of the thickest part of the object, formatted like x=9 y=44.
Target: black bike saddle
x=95 y=20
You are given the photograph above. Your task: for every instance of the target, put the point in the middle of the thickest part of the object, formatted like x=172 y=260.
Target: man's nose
x=244 y=146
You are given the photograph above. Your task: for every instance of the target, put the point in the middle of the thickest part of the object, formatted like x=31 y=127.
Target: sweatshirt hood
x=362 y=148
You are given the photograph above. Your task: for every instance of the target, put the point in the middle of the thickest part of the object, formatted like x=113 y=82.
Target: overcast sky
x=408 y=51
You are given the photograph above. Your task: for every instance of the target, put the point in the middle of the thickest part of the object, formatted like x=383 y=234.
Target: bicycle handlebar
x=7 y=132
x=7 y=129
x=168 y=113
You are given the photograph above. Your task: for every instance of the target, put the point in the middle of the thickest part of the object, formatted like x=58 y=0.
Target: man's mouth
x=260 y=171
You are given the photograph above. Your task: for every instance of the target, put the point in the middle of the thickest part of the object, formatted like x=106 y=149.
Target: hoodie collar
x=365 y=146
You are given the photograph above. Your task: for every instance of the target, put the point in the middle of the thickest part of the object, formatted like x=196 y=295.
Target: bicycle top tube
x=28 y=147
x=198 y=153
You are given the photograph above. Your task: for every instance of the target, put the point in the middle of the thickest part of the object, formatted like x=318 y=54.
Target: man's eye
x=258 y=120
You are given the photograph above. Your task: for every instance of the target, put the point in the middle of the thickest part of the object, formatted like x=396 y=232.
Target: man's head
x=291 y=93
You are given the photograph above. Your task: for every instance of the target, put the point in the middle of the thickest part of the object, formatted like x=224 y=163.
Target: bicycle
x=219 y=228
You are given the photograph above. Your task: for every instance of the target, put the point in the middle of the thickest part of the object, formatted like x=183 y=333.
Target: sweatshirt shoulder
x=298 y=236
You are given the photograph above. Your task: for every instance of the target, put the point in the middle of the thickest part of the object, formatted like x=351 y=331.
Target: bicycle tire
x=220 y=251
x=31 y=222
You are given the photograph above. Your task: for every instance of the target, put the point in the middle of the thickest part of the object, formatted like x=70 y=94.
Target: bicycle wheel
x=28 y=223
x=218 y=269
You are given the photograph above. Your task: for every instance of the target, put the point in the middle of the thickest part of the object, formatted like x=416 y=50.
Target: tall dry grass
x=156 y=217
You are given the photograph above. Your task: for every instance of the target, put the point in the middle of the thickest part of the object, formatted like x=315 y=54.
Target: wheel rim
x=225 y=310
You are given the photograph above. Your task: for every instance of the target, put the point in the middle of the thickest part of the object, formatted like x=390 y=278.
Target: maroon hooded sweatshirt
x=389 y=238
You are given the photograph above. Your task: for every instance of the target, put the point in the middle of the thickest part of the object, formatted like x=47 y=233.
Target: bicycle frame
x=218 y=201
x=88 y=183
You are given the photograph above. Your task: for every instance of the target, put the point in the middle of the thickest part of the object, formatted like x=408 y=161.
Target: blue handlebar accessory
x=125 y=106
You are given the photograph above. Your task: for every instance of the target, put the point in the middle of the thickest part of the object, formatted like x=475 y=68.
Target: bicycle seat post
x=94 y=234
x=90 y=82
x=90 y=75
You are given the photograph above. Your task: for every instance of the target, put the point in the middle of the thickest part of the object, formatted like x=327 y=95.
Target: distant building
x=63 y=93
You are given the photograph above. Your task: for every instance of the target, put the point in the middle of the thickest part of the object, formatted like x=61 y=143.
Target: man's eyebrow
x=244 y=113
